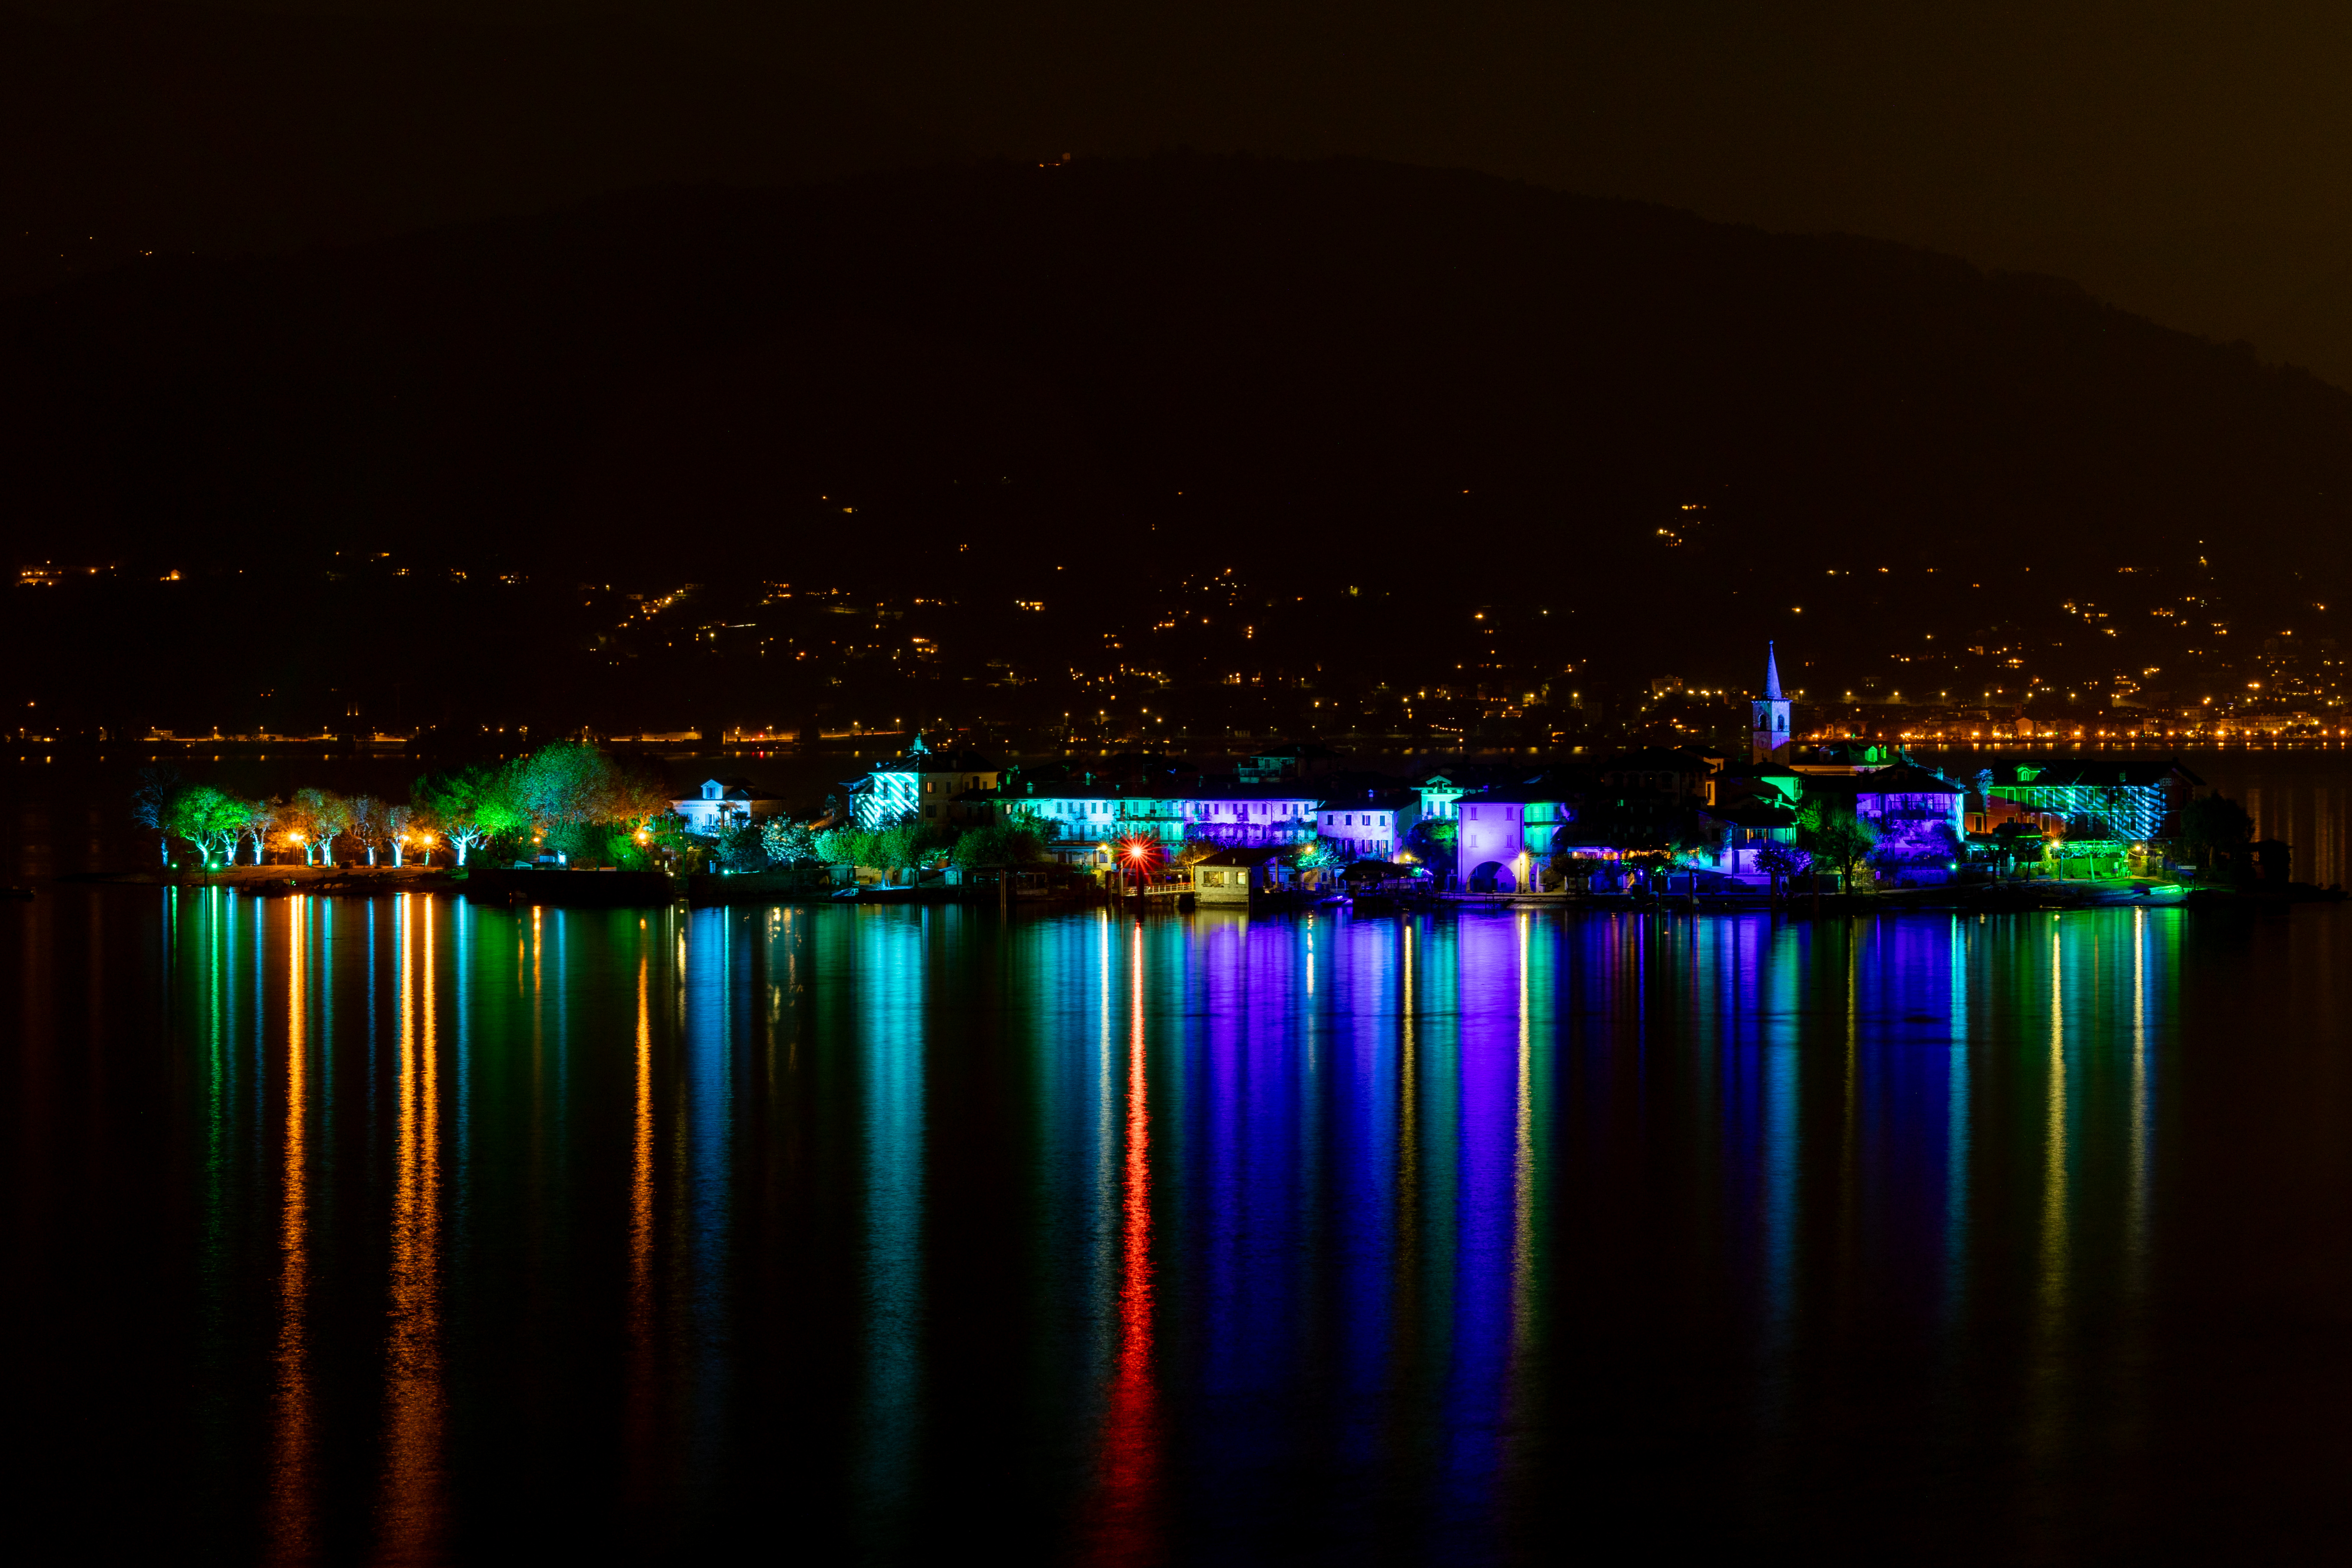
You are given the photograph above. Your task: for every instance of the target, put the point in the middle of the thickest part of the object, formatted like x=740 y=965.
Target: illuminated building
x=1232 y=875
x=1768 y=716
x=724 y=802
x=923 y=785
x=1371 y=823
x=2094 y=799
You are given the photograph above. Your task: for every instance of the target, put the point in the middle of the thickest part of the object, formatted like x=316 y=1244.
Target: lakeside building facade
x=1081 y=817
x=722 y=804
x=1231 y=875
x=2085 y=798
x=1515 y=828
x=919 y=785
x=1503 y=835
x=1372 y=827
x=1915 y=815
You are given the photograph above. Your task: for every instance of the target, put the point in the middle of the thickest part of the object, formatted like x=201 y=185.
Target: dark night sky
x=2192 y=162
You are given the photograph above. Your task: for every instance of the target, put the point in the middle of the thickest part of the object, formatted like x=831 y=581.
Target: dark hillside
x=1431 y=384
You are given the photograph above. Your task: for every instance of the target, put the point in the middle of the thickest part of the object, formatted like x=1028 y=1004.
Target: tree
x=1327 y=852
x=401 y=825
x=901 y=844
x=370 y=821
x=1835 y=836
x=150 y=804
x=1939 y=846
x=788 y=843
x=1783 y=863
x=573 y=782
x=846 y=844
x=260 y=822
x=290 y=834
x=1195 y=850
x=209 y=819
x=670 y=836
x=1016 y=841
x=2215 y=824
x=1652 y=830
x=628 y=849
x=1431 y=841
x=741 y=848
x=470 y=807
x=317 y=817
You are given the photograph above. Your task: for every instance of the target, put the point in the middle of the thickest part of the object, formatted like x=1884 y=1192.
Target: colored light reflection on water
x=417 y=1229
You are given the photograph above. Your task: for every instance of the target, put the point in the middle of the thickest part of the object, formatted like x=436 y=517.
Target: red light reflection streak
x=289 y=1504
x=1126 y=1522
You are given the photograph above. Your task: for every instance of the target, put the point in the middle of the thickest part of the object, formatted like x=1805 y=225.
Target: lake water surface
x=418 y=1230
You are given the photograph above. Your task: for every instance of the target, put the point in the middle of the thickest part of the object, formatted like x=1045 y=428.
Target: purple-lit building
x=1252 y=813
x=1083 y=817
x=1916 y=812
x=1503 y=836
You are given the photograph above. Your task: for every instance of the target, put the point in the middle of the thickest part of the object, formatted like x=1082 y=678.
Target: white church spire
x=1768 y=736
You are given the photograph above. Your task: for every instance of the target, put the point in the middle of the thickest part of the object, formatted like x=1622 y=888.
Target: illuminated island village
x=1286 y=826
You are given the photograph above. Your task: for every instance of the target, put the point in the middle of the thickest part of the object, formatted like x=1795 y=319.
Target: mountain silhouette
x=1416 y=381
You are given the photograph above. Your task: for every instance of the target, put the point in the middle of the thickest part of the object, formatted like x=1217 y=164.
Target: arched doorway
x=1494 y=876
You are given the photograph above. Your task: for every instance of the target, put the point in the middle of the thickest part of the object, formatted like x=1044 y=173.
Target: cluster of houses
x=1506 y=828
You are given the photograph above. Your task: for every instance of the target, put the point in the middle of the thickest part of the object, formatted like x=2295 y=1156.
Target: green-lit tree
x=740 y=848
x=789 y=843
x=628 y=849
x=1019 y=840
x=470 y=807
x=208 y=818
x=572 y=783
x=846 y=845
x=1327 y=852
x=901 y=844
x=670 y=837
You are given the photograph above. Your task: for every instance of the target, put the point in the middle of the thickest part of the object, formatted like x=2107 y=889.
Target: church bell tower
x=1768 y=740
